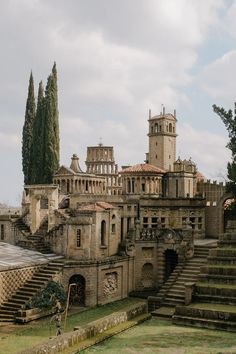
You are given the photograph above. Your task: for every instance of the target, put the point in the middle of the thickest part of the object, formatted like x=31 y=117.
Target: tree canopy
x=229 y=120
x=27 y=135
x=40 y=143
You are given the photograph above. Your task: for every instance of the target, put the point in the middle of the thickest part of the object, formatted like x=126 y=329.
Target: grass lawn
x=15 y=338
x=160 y=336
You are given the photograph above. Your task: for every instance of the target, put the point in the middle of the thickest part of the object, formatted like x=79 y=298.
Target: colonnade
x=85 y=185
x=102 y=168
x=142 y=185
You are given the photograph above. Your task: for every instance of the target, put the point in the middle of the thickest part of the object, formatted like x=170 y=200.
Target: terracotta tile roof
x=200 y=177
x=98 y=206
x=143 y=168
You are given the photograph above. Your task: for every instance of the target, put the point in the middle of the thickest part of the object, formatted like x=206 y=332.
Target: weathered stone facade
x=123 y=231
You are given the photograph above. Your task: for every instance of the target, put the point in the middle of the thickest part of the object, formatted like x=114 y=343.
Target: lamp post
x=67 y=302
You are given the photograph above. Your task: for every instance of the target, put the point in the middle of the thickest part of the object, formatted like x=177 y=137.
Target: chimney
x=164 y=110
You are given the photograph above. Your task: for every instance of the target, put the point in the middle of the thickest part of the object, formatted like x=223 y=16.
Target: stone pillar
x=188 y=293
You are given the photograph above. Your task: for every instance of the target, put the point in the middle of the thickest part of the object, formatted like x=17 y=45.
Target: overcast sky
x=116 y=60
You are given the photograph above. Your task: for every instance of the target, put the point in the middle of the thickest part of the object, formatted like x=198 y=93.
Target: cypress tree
x=37 y=155
x=27 y=135
x=51 y=138
x=229 y=121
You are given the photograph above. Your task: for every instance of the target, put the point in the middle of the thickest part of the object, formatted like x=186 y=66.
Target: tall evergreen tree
x=37 y=155
x=229 y=121
x=51 y=138
x=27 y=135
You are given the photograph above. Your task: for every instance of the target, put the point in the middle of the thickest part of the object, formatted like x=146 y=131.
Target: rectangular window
x=78 y=238
x=163 y=222
x=154 y=222
x=2 y=232
x=177 y=188
x=113 y=228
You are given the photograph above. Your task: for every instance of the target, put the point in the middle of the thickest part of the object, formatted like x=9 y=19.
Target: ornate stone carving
x=110 y=284
x=147 y=252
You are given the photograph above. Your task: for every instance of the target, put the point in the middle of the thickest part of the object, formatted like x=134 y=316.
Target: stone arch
x=221 y=215
x=77 y=290
x=147 y=275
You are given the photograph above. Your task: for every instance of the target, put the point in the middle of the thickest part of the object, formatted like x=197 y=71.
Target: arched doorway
x=77 y=291
x=171 y=261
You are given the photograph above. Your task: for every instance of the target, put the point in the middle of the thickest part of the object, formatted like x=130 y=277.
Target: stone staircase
x=215 y=292
x=25 y=293
x=172 y=293
x=34 y=242
x=21 y=225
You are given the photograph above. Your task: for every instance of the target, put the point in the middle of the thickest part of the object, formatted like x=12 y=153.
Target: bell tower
x=162 y=140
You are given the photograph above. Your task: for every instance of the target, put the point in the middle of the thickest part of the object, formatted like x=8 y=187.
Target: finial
x=100 y=142
x=150 y=113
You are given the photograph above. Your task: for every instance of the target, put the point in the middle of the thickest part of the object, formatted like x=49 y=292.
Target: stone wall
x=67 y=340
x=11 y=279
x=105 y=281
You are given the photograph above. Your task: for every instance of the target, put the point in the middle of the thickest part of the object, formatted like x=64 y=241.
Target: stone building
x=122 y=231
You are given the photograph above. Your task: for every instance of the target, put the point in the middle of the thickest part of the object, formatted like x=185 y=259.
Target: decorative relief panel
x=110 y=284
x=147 y=252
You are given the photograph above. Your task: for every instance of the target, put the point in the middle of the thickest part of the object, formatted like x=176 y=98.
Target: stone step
x=221 y=260
x=11 y=305
x=172 y=302
x=223 y=252
x=215 y=278
x=215 y=299
x=204 y=323
x=20 y=297
x=164 y=312
x=7 y=311
x=175 y=294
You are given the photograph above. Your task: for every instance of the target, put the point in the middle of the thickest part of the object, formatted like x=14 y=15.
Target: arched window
x=147 y=275
x=170 y=127
x=156 y=128
x=103 y=233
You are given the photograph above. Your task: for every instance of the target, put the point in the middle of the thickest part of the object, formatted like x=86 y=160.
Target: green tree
x=37 y=154
x=48 y=297
x=27 y=135
x=229 y=120
x=51 y=128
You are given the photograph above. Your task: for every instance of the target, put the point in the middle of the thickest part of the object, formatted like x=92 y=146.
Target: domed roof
x=143 y=168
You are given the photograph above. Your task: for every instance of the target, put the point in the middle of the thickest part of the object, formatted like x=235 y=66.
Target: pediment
x=63 y=170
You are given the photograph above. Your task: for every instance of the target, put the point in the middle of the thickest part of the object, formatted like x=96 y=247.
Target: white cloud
x=217 y=78
x=115 y=60
x=205 y=148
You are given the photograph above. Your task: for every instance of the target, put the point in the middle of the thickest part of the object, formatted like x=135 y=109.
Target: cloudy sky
x=115 y=60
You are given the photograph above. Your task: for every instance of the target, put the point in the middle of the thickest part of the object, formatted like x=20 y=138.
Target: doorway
x=171 y=261
x=77 y=292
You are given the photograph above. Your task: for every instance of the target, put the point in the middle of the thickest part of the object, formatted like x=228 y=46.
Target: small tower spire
x=150 y=113
x=75 y=164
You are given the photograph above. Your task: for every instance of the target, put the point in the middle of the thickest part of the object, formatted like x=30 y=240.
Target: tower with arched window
x=162 y=140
